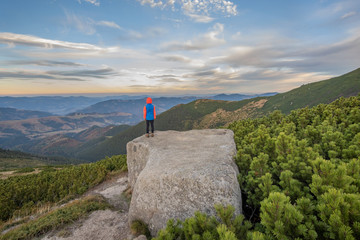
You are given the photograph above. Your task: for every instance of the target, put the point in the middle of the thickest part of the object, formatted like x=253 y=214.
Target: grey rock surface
x=174 y=174
x=141 y=237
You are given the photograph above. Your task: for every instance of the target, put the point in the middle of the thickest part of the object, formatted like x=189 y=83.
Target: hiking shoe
x=147 y=135
x=152 y=134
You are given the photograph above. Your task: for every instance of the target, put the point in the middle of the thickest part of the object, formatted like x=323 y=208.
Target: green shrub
x=299 y=174
x=25 y=170
x=138 y=228
x=20 y=194
x=226 y=227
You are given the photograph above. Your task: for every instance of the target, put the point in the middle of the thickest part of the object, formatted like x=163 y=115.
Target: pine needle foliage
x=300 y=173
x=226 y=226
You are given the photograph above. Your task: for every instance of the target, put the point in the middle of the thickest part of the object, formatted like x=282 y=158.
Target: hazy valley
x=47 y=134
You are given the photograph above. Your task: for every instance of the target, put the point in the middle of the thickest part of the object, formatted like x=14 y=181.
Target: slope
x=212 y=114
x=70 y=144
x=16 y=159
x=19 y=132
x=312 y=94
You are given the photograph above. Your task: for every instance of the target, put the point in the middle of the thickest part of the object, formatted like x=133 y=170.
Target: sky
x=174 y=47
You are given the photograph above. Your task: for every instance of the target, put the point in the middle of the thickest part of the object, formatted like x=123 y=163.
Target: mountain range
x=56 y=105
x=203 y=113
x=24 y=129
x=61 y=135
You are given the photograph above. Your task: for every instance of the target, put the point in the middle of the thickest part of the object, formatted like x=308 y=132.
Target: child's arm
x=144 y=112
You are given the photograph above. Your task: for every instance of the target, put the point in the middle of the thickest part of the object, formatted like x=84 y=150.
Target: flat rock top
x=188 y=147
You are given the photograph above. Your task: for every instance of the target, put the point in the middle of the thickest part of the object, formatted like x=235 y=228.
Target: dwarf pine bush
x=299 y=176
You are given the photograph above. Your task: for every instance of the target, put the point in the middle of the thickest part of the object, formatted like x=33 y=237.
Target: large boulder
x=174 y=174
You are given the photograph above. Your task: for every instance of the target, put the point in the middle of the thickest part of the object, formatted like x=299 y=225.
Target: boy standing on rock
x=149 y=116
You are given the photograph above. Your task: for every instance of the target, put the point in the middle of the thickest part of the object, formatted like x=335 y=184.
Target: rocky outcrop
x=174 y=174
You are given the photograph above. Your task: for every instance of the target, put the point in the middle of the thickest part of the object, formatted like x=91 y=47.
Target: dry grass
x=56 y=218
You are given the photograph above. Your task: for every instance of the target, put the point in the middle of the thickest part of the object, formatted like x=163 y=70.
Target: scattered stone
x=141 y=237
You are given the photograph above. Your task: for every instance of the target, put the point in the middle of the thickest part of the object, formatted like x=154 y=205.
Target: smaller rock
x=141 y=237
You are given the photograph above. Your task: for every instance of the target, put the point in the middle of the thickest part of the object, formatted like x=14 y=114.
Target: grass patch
x=25 y=170
x=57 y=218
x=12 y=223
x=138 y=228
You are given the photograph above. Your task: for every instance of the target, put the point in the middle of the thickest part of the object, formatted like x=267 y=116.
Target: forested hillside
x=299 y=176
x=313 y=94
x=73 y=144
x=16 y=159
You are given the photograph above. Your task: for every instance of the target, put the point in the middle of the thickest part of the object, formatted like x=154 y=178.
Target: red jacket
x=149 y=110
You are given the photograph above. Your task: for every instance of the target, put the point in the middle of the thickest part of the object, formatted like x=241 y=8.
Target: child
x=149 y=116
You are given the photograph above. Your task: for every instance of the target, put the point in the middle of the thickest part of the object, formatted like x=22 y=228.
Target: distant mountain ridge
x=135 y=106
x=63 y=105
x=7 y=114
x=57 y=105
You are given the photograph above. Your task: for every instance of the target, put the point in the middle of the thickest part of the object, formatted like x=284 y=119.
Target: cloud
x=161 y=76
x=170 y=80
x=177 y=58
x=349 y=14
x=94 y=2
x=87 y=25
x=166 y=78
x=338 y=10
x=28 y=40
x=84 y=25
x=260 y=56
x=200 y=18
x=70 y=75
x=208 y=40
x=47 y=63
x=152 y=3
x=245 y=79
x=332 y=58
x=108 y=24
x=152 y=32
x=197 y=10
x=31 y=75
x=98 y=73
x=286 y=54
